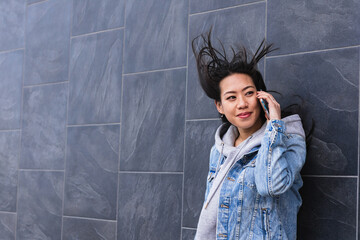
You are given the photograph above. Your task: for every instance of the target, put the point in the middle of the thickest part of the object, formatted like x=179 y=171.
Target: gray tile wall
x=105 y=132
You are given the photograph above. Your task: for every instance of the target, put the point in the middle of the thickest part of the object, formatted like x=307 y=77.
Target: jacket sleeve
x=280 y=159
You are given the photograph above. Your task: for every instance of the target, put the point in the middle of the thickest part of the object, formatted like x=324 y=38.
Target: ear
x=219 y=107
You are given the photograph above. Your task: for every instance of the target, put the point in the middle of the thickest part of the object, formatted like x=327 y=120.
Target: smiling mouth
x=244 y=115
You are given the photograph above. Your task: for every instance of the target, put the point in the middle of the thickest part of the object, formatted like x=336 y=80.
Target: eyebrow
x=245 y=88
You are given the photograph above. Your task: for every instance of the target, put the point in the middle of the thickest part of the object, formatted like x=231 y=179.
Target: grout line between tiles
x=11 y=130
x=153 y=71
x=266 y=14
x=358 y=180
x=226 y=8
x=202 y=119
x=11 y=50
x=67 y=120
x=122 y=90
x=5 y=212
x=21 y=121
x=118 y=181
x=266 y=7
x=139 y=172
x=328 y=176
x=45 y=84
x=92 y=124
x=189 y=228
x=35 y=3
x=94 y=33
x=314 y=51
x=185 y=109
x=91 y=219
x=121 y=114
x=40 y=170
x=117 y=202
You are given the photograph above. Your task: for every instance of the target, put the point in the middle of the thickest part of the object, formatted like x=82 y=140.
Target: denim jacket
x=259 y=195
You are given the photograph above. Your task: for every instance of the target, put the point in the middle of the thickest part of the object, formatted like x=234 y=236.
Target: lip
x=244 y=115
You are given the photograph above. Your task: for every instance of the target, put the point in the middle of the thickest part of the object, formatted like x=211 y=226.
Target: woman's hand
x=274 y=106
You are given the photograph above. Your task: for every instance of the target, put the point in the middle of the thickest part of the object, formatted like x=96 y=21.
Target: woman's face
x=239 y=102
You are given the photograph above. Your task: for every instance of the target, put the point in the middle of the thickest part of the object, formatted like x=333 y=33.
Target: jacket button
x=230 y=179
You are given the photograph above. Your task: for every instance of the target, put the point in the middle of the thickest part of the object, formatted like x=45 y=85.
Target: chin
x=248 y=124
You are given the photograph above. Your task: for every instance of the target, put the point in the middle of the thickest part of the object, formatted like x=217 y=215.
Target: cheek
x=256 y=105
x=227 y=107
x=257 y=109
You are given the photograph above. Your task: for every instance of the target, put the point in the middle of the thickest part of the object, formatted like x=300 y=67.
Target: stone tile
x=11 y=65
x=12 y=24
x=44 y=127
x=7 y=226
x=297 y=26
x=249 y=31
x=153 y=119
x=197 y=6
x=47 y=42
x=188 y=234
x=199 y=140
x=329 y=209
x=149 y=206
x=91 y=171
x=92 y=16
x=328 y=82
x=95 y=78
x=40 y=205
x=9 y=157
x=88 y=229
x=155 y=36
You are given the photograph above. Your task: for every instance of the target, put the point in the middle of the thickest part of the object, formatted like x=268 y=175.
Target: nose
x=241 y=103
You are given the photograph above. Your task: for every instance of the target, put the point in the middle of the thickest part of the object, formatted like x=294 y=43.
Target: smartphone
x=264 y=105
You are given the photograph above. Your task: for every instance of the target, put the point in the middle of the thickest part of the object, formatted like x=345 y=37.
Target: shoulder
x=294 y=126
x=213 y=151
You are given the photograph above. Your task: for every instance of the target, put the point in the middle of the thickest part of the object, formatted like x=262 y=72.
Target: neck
x=245 y=133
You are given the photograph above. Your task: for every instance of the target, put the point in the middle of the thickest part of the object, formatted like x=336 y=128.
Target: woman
x=254 y=170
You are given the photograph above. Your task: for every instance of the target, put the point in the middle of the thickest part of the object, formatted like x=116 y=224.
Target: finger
x=266 y=94
x=268 y=97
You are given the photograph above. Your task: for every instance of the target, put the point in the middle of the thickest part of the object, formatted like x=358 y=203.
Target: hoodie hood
x=225 y=145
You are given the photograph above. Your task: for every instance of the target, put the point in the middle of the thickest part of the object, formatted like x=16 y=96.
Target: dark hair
x=213 y=66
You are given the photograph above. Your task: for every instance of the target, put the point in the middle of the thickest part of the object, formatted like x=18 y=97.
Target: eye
x=230 y=98
x=249 y=93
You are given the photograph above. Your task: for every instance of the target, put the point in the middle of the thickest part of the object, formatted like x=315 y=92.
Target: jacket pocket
x=265 y=223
